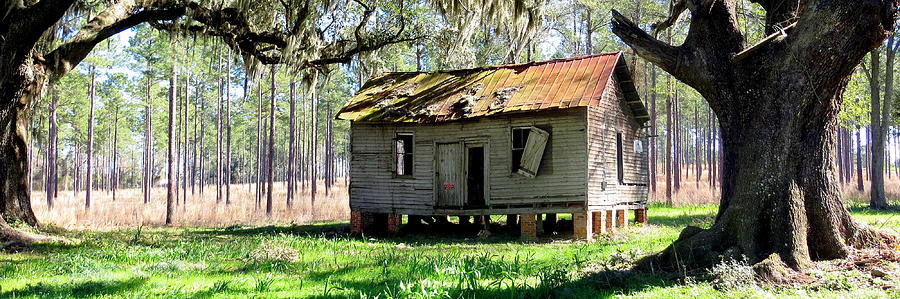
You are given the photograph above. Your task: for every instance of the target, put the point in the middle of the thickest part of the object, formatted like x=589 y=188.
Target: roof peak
x=512 y=65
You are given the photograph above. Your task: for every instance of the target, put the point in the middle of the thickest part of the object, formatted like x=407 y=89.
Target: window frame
x=620 y=158
x=515 y=161
x=408 y=163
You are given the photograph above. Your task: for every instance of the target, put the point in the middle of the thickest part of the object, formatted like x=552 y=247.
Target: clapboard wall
x=604 y=121
x=561 y=177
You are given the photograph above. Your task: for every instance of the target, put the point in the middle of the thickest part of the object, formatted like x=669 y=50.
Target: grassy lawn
x=314 y=261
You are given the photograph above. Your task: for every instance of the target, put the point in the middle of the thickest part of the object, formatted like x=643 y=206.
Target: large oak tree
x=776 y=102
x=37 y=47
x=32 y=56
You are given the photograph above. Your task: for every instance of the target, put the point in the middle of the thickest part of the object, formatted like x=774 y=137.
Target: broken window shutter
x=533 y=153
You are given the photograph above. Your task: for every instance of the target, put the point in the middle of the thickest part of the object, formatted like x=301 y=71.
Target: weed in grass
x=263 y=284
x=220 y=286
x=271 y=256
x=164 y=267
x=732 y=275
x=424 y=289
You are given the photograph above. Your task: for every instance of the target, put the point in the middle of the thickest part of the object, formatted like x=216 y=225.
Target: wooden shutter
x=533 y=153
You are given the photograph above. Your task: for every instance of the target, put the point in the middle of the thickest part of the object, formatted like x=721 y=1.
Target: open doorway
x=475 y=180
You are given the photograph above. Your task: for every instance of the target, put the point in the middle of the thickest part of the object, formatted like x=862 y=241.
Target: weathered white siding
x=604 y=121
x=561 y=176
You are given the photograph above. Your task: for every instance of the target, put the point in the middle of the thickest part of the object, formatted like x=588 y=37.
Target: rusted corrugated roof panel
x=450 y=95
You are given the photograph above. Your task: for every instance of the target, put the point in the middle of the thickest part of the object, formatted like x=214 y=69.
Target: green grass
x=313 y=261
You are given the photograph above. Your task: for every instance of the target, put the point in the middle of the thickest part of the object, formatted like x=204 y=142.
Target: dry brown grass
x=129 y=210
x=692 y=193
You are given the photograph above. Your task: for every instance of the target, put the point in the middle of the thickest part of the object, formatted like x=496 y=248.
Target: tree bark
x=777 y=108
x=219 y=155
x=90 y=143
x=669 y=135
x=259 y=143
x=172 y=180
x=292 y=159
x=654 y=132
x=115 y=152
x=227 y=168
x=877 y=198
x=697 y=142
x=52 y=152
x=859 y=161
x=186 y=144
x=313 y=146
x=200 y=149
x=270 y=168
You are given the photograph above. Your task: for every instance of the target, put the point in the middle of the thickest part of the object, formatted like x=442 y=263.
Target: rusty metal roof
x=450 y=95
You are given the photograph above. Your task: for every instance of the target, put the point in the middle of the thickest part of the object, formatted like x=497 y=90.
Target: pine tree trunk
x=292 y=159
x=219 y=155
x=259 y=143
x=228 y=131
x=200 y=148
x=697 y=140
x=676 y=143
x=170 y=184
x=313 y=146
x=185 y=143
x=52 y=152
x=270 y=168
x=115 y=153
x=877 y=197
x=859 y=161
x=669 y=137
x=654 y=132
x=196 y=140
x=148 y=146
x=89 y=180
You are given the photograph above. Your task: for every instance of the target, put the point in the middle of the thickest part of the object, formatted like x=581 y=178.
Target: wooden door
x=449 y=178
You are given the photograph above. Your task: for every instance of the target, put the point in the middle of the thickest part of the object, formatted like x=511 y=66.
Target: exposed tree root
x=699 y=249
x=14 y=240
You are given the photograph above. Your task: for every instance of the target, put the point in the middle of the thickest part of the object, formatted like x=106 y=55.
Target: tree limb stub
x=675 y=12
x=762 y=43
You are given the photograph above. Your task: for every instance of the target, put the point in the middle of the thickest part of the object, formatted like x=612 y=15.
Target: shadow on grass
x=449 y=235
x=77 y=289
x=864 y=209
x=681 y=221
x=595 y=285
x=327 y=229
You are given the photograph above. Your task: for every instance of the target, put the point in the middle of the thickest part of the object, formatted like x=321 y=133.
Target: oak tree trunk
x=777 y=105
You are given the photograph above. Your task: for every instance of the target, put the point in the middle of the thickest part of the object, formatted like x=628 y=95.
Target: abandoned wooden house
x=564 y=136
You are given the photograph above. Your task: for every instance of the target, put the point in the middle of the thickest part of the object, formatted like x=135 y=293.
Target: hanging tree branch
x=230 y=24
x=111 y=21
